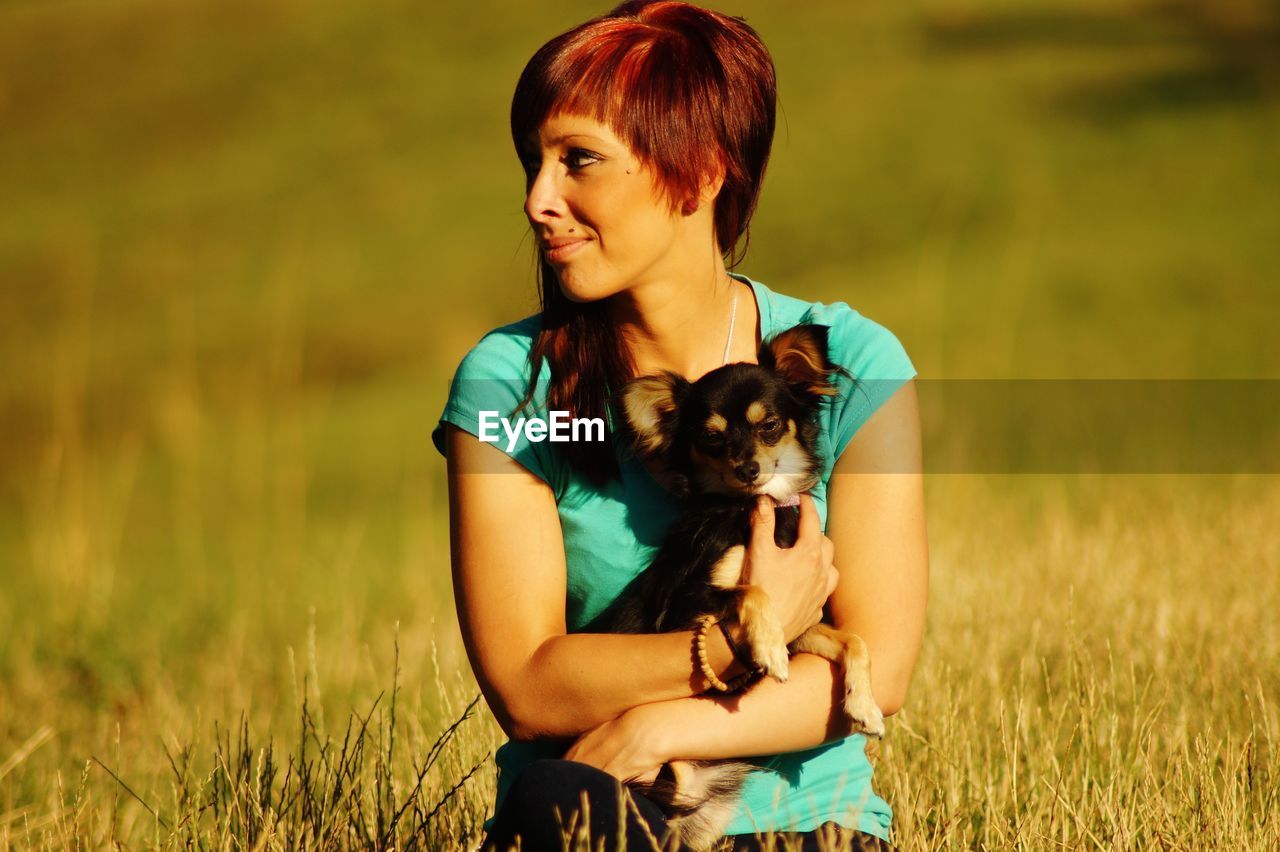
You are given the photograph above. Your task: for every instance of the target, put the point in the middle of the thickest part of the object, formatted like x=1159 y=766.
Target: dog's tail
x=699 y=796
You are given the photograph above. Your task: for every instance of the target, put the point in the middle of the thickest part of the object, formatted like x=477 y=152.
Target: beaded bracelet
x=700 y=648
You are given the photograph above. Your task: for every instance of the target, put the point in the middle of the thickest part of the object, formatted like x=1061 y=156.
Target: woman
x=645 y=135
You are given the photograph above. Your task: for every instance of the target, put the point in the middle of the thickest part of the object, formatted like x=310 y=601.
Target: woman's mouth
x=565 y=251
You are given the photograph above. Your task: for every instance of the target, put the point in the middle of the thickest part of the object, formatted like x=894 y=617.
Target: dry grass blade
x=42 y=735
x=130 y=791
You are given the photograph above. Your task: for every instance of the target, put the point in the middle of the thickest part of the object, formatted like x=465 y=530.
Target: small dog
x=738 y=432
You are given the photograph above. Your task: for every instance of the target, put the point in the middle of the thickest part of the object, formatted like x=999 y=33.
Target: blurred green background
x=244 y=244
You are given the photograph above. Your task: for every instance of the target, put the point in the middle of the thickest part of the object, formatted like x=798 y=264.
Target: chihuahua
x=719 y=443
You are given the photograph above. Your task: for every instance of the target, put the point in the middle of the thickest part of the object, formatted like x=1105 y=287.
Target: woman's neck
x=682 y=324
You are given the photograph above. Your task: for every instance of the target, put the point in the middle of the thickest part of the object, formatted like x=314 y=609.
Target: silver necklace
x=733 y=315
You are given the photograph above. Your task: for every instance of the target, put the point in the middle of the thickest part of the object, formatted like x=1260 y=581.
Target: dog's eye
x=771 y=425
x=712 y=439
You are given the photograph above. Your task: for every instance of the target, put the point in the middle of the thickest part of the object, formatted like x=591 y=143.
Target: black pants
x=545 y=803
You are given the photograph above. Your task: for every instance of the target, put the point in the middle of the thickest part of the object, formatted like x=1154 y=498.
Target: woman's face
x=584 y=185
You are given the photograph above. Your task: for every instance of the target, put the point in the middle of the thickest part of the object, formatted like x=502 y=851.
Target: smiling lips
x=558 y=250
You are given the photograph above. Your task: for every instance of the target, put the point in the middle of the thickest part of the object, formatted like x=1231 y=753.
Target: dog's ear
x=649 y=404
x=799 y=355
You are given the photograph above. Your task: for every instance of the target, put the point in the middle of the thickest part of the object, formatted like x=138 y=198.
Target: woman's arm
x=876 y=520
x=875 y=516
x=509 y=585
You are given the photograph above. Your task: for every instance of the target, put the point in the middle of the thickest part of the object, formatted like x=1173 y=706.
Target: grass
x=243 y=246
x=1100 y=671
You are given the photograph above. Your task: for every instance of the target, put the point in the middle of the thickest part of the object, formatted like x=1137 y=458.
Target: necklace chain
x=733 y=315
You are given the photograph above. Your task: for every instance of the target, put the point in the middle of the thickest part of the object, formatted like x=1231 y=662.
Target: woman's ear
x=650 y=405
x=710 y=186
x=799 y=355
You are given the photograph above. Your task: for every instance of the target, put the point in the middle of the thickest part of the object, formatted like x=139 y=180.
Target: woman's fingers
x=762 y=521
x=810 y=525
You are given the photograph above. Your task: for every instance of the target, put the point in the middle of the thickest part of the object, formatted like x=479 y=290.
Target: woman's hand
x=797 y=579
x=628 y=747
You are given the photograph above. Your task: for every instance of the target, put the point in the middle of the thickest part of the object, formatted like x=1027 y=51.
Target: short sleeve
x=485 y=395
x=877 y=365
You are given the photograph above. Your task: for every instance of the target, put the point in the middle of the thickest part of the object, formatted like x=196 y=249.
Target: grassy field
x=243 y=245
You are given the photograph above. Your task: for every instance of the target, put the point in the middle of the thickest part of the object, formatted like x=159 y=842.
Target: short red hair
x=690 y=91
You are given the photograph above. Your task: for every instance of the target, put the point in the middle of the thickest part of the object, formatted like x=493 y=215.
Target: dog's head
x=742 y=429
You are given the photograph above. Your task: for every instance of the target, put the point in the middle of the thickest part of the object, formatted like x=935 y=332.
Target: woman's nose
x=544 y=201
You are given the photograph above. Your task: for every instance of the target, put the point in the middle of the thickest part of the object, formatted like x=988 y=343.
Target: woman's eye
x=575 y=159
x=577 y=154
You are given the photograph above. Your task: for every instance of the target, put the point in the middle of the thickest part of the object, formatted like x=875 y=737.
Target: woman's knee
x=552 y=780
x=546 y=799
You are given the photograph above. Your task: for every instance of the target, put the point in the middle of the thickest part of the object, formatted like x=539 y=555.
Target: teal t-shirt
x=612 y=532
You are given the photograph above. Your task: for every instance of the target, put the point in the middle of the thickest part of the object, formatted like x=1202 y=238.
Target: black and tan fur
x=738 y=432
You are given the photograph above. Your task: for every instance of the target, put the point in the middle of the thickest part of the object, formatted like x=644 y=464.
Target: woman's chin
x=578 y=297
x=582 y=289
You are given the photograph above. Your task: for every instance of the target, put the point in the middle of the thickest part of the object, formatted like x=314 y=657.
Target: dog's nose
x=747 y=472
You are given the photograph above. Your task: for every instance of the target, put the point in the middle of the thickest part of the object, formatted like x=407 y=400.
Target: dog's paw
x=773 y=660
x=862 y=709
x=765 y=639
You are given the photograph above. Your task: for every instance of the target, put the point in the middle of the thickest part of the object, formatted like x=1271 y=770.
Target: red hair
x=690 y=91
